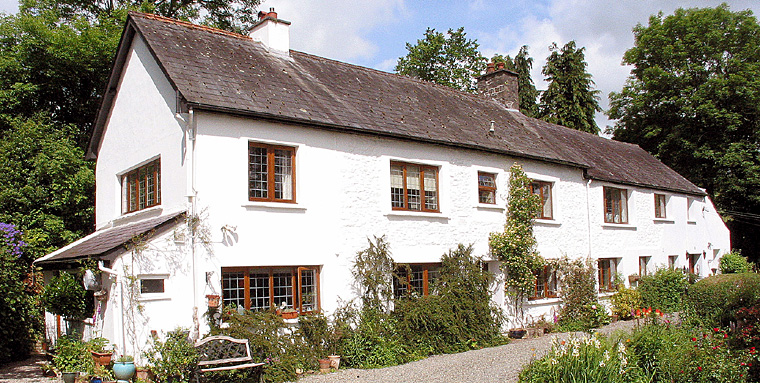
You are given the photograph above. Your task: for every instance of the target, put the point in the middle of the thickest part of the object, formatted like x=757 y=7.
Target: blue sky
x=373 y=33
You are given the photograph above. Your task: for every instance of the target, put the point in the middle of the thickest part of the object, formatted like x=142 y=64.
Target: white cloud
x=336 y=28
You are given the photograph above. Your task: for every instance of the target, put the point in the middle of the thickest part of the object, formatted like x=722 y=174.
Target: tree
x=46 y=186
x=693 y=100
x=453 y=61
x=522 y=65
x=569 y=100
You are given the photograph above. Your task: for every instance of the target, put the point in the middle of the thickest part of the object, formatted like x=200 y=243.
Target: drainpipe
x=115 y=274
x=192 y=198
x=588 y=215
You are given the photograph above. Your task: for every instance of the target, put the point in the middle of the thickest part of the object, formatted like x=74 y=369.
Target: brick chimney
x=271 y=31
x=501 y=85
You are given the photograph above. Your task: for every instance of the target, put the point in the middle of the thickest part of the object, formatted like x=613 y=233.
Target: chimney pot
x=262 y=15
x=490 y=68
x=500 y=65
x=272 y=13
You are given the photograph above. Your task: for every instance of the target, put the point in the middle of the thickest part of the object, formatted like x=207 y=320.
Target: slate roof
x=104 y=241
x=222 y=71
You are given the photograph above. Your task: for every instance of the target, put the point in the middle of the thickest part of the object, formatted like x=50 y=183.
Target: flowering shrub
x=581 y=309
x=625 y=302
x=586 y=359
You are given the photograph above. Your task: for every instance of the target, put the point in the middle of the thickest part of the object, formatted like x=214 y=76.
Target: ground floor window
x=546 y=283
x=693 y=260
x=672 y=259
x=643 y=263
x=415 y=279
x=261 y=288
x=606 y=267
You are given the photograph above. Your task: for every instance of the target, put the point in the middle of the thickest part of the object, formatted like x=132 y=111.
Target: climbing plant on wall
x=516 y=246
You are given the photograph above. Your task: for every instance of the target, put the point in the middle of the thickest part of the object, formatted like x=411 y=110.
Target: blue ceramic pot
x=124 y=370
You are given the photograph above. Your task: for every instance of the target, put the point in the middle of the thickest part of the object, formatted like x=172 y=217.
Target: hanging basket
x=213 y=300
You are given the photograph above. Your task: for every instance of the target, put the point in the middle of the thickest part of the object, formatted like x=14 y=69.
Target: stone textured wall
x=501 y=85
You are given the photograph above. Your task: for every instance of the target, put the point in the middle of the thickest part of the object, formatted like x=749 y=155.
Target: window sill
x=154 y=297
x=415 y=214
x=489 y=206
x=691 y=222
x=543 y=301
x=547 y=222
x=274 y=205
x=663 y=220
x=622 y=226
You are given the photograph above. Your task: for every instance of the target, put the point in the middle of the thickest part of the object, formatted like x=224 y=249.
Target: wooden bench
x=224 y=353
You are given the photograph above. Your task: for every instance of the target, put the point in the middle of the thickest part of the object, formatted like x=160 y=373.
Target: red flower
x=725 y=336
x=693 y=339
x=716 y=329
x=744 y=364
x=699 y=368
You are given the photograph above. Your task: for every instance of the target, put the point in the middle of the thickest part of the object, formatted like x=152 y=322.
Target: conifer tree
x=570 y=99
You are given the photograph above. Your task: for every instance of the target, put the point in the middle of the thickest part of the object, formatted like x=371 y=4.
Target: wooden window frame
x=542 y=290
x=672 y=260
x=295 y=273
x=644 y=261
x=540 y=194
x=660 y=206
x=693 y=261
x=487 y=189
x=423 y=170
x=129 y=189
x=619 y=202
x=605 y=278
x=426 y=270
x=271 y=172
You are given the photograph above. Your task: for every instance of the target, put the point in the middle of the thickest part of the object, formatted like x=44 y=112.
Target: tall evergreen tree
x=570 y=99
x=452 y=60
x=693 y=100
x=522 y=64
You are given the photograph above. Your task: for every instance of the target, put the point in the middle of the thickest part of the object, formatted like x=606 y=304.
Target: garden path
x=495 y=364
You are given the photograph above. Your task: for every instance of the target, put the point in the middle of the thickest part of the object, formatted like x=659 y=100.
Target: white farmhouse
x=230 y=165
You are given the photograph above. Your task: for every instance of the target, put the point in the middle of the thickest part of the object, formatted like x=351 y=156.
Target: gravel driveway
x=495 y=364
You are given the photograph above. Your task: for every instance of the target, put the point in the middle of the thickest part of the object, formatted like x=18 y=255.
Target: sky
x=374 y=33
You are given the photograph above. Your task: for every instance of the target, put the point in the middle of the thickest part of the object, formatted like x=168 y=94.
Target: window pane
x=431 y=190
x=142 y=175
x=283 y=289
x=151 y=286
x=659 y=206
x=132 y=180
x=623 y=206
x=309 y=290
x=413 y=187
x=397 y=186
x=400 y=282
x=257 y=173
x=151 y=185
x=233 y=289
x=546 y=200
x=259 y=291
x=283 y=174
x=615 y=205
x=417 y=281
x=487 y=180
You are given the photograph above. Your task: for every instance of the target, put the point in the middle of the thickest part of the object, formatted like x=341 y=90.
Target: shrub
x=663 y=290
x=733 y=263
x=375 y=342
x=173 y=360
x=625 y=302
x=66 y=296
x=668 y=353
x=587 y=359
x=716 y=299
x=581 y=309
x=71 y=355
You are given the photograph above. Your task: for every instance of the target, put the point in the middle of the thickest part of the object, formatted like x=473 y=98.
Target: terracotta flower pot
x=324 y=365
x=102 y=358
x=69 y=377
x=213 y=300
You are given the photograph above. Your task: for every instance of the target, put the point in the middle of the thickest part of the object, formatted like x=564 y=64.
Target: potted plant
x=71 y=358
x=65 y=296
x=213 y=300
x=289 y=313
x=124 y=368
x=100 y=351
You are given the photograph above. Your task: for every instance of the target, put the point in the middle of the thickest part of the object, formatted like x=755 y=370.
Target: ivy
x=516 y=246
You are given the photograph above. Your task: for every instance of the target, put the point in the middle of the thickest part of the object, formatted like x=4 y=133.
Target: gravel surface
x=495 y=364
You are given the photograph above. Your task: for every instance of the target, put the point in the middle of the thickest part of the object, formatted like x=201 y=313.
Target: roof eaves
x=355 y=129
x=700 y=193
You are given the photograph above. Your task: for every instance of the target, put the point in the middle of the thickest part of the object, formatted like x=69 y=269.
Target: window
x=606 y=268
x=693 y=263
x=543 y=190
x=659 y=206
x=615 y=205
x=415 y=280
x=546 y=283
x=259 y=288
x=690 y=216
x=486 y=188
x=141 y=188
x=151 y=285
x=271 y=173
x=672 y=259
x=643 y=262
x=408 y=182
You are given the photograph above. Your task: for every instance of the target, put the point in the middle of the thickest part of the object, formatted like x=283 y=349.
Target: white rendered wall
x=140 y=128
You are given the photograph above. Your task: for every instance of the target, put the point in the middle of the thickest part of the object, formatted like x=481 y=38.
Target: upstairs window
x=261 y=288
x=414 y=187
x=546 y=283
x=544 y=191
x=271 y=173
x=615 y=205
x=415 y=280
x=659 y=206
x=486 y=188
x=141 y=188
